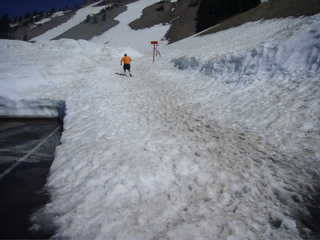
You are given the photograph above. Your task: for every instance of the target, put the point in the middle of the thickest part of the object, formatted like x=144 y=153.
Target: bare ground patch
x=178 y=14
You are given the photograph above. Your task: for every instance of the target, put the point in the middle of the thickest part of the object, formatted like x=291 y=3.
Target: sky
x=21 y=7
x=220 y=141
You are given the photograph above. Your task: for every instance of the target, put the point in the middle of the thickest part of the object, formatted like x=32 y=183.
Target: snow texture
x=217 y=139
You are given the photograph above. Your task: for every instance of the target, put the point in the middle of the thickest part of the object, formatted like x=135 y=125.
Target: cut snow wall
x=273 y=87
x=43 y=108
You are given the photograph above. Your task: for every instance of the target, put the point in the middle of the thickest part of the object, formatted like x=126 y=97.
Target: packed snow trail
x=160 y=168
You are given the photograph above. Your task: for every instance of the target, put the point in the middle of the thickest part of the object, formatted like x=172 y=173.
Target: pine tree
x=104 y=17
x=5 y=26
x=27 y=15
x=211 y=12
x=88 y=18
x=205 y=15
x=95 y=19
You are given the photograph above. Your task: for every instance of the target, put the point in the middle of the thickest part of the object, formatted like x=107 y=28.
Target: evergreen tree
x=95 y=19
x=205 y=15
x=27 y=15
x=76 y=7
x=5 y=26
x=104 y=17
x=31 y=19
x=211 y=12
x=88 y=18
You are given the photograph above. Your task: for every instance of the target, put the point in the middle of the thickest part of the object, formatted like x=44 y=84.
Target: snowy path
x=188 y=150
x=160 y=168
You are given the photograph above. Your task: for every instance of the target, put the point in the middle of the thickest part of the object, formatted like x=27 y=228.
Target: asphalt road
x=26 y=154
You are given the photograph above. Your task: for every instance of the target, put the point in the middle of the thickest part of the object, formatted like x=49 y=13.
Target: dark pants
x=126 y=67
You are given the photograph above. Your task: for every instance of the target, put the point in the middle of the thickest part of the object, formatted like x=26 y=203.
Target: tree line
x=211 y=12
x=5 y=26
x=102 y=12
x=29 y=17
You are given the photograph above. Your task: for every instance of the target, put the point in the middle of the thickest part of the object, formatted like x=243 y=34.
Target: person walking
x=157 y=50
x=126 y=64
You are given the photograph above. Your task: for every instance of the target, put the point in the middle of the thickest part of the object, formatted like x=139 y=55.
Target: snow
x=217 y=139
x=122 y=34
x=48 y=19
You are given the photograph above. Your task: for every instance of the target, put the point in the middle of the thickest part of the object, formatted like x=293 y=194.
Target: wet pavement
x=26 y=154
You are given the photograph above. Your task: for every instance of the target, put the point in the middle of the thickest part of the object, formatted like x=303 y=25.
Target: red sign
x=154 y=48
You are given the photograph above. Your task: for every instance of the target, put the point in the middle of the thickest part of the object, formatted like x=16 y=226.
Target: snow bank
x=46 y=108
x=280 y=79
x=42 y=65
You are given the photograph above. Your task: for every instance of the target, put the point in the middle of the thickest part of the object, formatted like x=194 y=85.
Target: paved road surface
x=26 y=154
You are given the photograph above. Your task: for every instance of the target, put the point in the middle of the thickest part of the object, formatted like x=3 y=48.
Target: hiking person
x=126 y=64
x=157 y=50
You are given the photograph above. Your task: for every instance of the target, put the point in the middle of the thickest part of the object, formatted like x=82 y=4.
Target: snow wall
x=281 y=78
x=42 y=108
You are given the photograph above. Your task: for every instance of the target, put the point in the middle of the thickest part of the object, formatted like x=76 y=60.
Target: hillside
x=183 y=23
x=178 y=14
x=83 y=30
x=87 y=30
x=269 y=10
x=31 y=31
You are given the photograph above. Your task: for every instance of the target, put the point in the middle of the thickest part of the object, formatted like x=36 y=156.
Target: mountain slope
x=90 y=29
x=179 y=15
x=269 y=10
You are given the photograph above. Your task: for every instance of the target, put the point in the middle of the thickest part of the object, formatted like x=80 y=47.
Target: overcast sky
x=21 y=7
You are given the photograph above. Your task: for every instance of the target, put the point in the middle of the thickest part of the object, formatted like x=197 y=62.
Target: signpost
x=154 y=48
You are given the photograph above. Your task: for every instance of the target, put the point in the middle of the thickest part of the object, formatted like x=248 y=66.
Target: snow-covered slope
x=122 y=35
x=217 y=139
x=74 y=21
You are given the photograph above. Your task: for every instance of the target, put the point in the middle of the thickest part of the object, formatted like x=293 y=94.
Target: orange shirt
x=126 y=60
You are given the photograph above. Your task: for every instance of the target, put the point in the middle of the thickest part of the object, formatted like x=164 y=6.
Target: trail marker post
x=154 y=48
